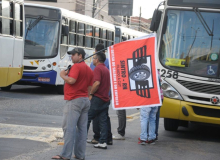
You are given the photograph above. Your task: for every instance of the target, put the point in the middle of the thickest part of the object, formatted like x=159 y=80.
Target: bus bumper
x=187 y=111
x=48 y=77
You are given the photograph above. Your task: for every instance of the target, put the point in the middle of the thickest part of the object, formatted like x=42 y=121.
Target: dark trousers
x=99 y=109
x=121 y=121
x=96 y=129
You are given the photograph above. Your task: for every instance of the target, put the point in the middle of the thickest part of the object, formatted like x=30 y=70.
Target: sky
x=147 y=7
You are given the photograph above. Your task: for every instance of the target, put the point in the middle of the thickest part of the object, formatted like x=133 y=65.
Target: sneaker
x=93 y=141
x=110 y=143
x=141 y=142
x=151 y=141
x=118 y=137
x=101 y=145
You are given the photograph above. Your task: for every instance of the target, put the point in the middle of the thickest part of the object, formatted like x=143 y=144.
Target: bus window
x=81 y=28
x=129 y=37
x=18 y=21
x=104 y=34
x=88 y=42
x=72 y=39
x=96 y=41
x=97 y=32
x=89 y=30
x=7 y=21
x=109 y=35
x=73 y=26
x=0 y=17
x=80 y=40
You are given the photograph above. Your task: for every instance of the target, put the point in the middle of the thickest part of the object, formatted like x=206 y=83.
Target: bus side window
x=72 y=32
x=89 y=36
x=18 y=20
x=110 y=38
x=96 y=36
x=81 y=35
x=64 y=39
x=103 y=36
x=0 y=17
x=7 y=21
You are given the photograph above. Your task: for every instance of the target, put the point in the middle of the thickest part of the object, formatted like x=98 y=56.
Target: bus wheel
x=139 y=73
x=6 y=88
x=171 y=124
x=60 y=89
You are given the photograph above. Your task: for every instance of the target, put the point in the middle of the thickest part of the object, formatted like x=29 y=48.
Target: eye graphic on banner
x=134 y=79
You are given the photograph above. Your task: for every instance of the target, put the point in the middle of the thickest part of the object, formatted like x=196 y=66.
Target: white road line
x=43 y=134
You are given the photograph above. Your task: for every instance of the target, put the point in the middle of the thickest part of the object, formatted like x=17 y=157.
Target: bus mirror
x=164 y=25
x=65 y=30
x=155 y=20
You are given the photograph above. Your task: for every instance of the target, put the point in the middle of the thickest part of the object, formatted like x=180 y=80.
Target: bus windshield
x=186 y=45
x=41 y=41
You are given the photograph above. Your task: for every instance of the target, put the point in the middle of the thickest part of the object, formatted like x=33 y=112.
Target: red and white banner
x=134 y=79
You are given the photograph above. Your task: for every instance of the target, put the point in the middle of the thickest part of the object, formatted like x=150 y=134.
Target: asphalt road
x=30 y=129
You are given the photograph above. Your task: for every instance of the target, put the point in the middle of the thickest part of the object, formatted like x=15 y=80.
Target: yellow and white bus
x=188 y=34
x=11 y=42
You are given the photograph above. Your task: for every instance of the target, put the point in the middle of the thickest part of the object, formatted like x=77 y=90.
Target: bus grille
x=30 y=68
x=208 y=112
x=201 y=87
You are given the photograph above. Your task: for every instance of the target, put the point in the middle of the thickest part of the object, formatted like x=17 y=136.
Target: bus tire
x=6 y=88
x=171 y=124
x=139 y=73
x=60 y=89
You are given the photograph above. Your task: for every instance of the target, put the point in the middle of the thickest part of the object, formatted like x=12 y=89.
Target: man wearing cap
x=78 y=82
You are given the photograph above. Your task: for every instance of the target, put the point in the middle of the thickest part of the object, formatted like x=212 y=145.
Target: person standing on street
x=121 y=125
x=77 y=87
x=100 y=100
x=95 y=121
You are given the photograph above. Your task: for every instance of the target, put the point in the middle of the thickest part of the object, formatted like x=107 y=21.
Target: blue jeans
x=76 y=125
x=99 y=108
x=157 y=120
x=148 y=123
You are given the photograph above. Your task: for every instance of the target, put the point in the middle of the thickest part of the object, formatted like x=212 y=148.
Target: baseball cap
x=78 y=50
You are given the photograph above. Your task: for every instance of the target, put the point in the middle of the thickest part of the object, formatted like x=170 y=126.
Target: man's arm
x=69 y=80
x=95 y=87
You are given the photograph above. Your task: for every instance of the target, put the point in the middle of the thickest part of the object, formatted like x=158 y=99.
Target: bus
x=11 y=42
x=123 y=34
x=188 y=34
x=49 y=33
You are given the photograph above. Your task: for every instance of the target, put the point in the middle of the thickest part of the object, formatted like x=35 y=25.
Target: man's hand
x=90 y=97
x=63 y=73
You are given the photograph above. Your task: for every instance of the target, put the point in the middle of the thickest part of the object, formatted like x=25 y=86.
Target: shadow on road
x=196 y=131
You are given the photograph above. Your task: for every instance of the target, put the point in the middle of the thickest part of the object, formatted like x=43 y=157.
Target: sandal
x=59 y=157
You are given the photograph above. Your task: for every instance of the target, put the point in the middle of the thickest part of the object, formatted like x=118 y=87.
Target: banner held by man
x=134 y=79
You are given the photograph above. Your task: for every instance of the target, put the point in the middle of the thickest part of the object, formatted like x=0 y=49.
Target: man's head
x=99 y=58
x=78 y=54
x=99 y=47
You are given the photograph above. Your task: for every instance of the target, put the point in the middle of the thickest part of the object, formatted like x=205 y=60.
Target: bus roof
x=76 y=16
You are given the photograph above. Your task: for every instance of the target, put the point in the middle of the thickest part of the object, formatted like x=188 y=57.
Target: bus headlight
x=43 y=67
x=169 y=91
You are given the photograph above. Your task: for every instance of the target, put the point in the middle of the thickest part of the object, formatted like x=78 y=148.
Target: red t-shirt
x=84 y=78
x=101 y=74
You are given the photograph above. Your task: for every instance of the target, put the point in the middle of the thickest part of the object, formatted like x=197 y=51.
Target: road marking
x=133 y=117
x=43 y=134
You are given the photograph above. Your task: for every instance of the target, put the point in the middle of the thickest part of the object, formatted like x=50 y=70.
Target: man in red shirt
x=77 y=87
x=99 y=96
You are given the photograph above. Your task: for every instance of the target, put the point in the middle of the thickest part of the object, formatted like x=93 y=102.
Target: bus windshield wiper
x=33 y=24
x=202 y=20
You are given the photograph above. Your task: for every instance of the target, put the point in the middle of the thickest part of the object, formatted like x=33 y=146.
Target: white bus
x=49 y=33
x=11 y=42
x=189 y=61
